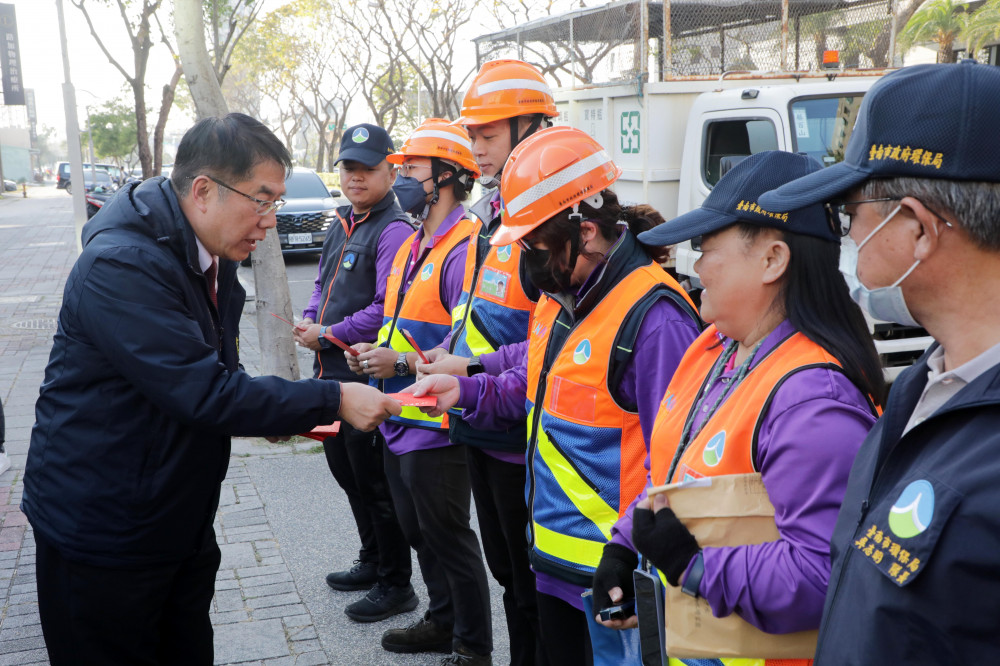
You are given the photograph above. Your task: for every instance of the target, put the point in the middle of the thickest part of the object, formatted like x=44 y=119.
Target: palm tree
x=982 y=26
x=938 y=21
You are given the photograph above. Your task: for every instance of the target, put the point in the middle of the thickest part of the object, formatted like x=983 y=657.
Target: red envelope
x=319 y=433
x=408 y=400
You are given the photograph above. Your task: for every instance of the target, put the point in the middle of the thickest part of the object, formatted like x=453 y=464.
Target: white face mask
x=885 y=303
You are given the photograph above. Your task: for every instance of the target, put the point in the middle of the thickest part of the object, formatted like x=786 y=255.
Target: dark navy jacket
x=916 y=549
x=143 y=390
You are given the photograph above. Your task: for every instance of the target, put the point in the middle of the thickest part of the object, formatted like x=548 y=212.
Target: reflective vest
x=494 y=309
x=727 y=444
x=586 y=453
x=419 y=309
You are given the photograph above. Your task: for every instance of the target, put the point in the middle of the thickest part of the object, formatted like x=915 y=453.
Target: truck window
x=821 y=126
x=729 y=141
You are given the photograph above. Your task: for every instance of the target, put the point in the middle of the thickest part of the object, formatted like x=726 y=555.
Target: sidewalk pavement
x=282 y=522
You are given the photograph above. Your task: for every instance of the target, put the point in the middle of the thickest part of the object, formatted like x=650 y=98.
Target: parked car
x=9 y=185
x=306 y=217
x=63 y=175
x=98 y=178
x=96 y=199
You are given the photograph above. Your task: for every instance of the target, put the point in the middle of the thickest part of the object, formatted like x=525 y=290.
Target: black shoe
x=359 y=577
x=463 y=656
x=421 y=636
x=382 y=601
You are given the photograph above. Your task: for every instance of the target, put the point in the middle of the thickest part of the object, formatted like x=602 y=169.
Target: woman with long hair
x=785 y=382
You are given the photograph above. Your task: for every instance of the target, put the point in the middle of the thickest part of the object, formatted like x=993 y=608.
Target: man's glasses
x=524 y=244
x=840 y=220
x=263 y=207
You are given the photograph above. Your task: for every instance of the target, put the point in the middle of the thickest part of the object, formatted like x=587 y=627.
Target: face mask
x=885 y=303
x=410 y=193
x=543 y=276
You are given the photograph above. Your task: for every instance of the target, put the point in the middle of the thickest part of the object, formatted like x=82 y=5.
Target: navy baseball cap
x=735 y=198
x=368 y=144
x=925 y=121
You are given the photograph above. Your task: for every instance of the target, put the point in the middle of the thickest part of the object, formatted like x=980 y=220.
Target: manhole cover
x=44 y=324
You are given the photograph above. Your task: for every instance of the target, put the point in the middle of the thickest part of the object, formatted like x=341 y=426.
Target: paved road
x=282 y=524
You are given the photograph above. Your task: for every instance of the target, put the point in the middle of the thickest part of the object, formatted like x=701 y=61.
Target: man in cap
x=916 y=563
x=347 y=304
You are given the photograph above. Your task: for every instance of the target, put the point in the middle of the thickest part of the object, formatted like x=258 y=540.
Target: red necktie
x=210 y=274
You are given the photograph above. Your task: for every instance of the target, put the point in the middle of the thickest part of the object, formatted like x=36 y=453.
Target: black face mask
x=543 y=276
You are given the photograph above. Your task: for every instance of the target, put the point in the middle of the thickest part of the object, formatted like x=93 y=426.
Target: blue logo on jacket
x=426 y=272
x=349 y=260
x=913 y=511
x=712 y=455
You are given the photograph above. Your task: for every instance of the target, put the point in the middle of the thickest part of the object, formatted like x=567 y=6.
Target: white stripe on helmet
x=556 y=180
x=513 y=84
x=440 y=134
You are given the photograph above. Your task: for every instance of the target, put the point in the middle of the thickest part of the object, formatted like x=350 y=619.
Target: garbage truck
x=676 y=133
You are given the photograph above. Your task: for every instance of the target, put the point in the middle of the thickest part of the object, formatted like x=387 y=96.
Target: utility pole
x=72 y=137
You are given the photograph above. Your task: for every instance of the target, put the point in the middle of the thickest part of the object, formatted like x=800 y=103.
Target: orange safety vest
x=494 y=309
x=727 y=444
x=420 y=310
x=586 y=453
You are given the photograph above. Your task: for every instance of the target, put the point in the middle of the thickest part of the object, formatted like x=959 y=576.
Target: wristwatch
x=695 y=574
x=401 y=367
x=475 y=366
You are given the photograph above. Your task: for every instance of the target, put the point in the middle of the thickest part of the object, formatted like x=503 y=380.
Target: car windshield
x=821 y=126
x=305 y=185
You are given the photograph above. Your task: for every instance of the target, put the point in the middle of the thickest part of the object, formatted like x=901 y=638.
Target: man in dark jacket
x=916 y=548
x=141 y=394
x=347 y=303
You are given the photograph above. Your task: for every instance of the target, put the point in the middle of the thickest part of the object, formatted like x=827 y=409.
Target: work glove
x=663 y=540
x=615 y=570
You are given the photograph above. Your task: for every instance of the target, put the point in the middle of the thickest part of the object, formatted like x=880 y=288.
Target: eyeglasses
x=524 y=244
x=696 y=243
x=410 y=167
x=263 y=207
x=840 y=220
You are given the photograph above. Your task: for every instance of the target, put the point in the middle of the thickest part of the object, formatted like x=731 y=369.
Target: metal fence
x=640 y=40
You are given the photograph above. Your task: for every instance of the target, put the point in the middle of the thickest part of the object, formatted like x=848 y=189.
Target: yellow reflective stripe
x=383 y=333
x=475 y=340
x=458 y=313
x=583 y=497
x=569 y=548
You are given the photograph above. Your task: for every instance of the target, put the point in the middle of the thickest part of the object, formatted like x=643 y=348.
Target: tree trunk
x=945 y=52
x=277 y=350
x=167 y=101
x=189 y=27
x=320 y=152
x=142 y=131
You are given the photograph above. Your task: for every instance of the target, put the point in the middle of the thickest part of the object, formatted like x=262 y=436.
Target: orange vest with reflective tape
x=421 y=312
x=586 y=453
x=727 y=444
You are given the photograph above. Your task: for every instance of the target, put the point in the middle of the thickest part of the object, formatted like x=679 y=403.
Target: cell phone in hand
x=622 y=611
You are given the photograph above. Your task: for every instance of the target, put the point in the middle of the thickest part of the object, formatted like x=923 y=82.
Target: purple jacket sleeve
x=664 y=336
x=495 y=403
x=363 y=325
x=808 y=441
x=313 y=307
x=508 y=356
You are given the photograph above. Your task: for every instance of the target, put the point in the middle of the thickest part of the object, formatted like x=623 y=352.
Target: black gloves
x=664 y=541
x=615 y=570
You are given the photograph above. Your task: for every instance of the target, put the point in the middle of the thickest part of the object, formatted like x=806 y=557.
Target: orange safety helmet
x=506 y=89
x=436 y=137
x=550 y=171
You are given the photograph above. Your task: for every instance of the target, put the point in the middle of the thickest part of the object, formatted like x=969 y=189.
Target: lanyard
x=687 y=435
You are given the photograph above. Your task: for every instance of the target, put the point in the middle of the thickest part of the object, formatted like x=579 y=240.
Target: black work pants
x=498 y=488
x=129 y=617
x=356 y=460
x=564 y=632
x=431 y=492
